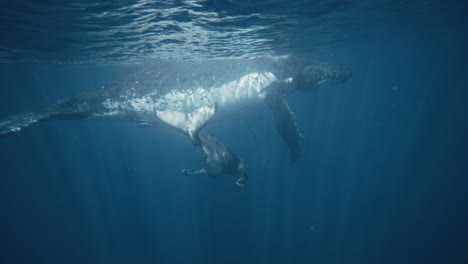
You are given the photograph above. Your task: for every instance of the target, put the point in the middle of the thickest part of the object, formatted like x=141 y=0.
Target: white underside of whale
x=249 y=88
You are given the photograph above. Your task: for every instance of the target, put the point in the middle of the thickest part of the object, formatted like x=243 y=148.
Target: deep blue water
x=383 y=175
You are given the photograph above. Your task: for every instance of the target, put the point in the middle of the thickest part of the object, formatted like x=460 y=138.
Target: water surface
x=382 y=178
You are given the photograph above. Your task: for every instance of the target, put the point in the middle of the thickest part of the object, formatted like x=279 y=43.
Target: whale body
x=177 y=90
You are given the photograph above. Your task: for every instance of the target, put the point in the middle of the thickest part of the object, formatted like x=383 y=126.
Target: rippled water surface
x=132 y=31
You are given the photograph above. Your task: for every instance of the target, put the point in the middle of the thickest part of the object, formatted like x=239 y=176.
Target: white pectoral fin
x=201 y=171
x=189 y=123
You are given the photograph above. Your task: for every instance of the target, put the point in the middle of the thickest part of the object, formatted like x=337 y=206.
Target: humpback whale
x=217 y=159
x=183 y=87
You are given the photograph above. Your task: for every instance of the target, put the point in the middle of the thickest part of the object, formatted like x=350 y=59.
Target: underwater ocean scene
x=224 y=131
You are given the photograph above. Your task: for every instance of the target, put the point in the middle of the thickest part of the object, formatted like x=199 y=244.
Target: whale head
x=315 y=75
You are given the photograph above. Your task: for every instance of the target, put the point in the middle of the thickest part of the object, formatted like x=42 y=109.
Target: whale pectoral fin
x=189 y=123
x=285 y=124
x=201 y=171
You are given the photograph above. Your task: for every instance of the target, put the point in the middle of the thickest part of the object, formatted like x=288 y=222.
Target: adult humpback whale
x=185 y=86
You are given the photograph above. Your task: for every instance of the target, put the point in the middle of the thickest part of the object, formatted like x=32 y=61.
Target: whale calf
x=217 y=159
x=184 y=87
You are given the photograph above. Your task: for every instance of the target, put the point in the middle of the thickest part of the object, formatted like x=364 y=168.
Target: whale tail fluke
x=190 y=123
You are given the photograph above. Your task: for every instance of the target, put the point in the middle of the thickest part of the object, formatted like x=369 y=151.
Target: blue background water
x=382 y=178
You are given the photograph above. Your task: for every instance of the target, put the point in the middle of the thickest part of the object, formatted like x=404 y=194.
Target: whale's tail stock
x=72 y=108
x=17 y=123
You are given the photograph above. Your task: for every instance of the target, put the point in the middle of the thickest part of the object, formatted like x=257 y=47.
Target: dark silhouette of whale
x=174 y=91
